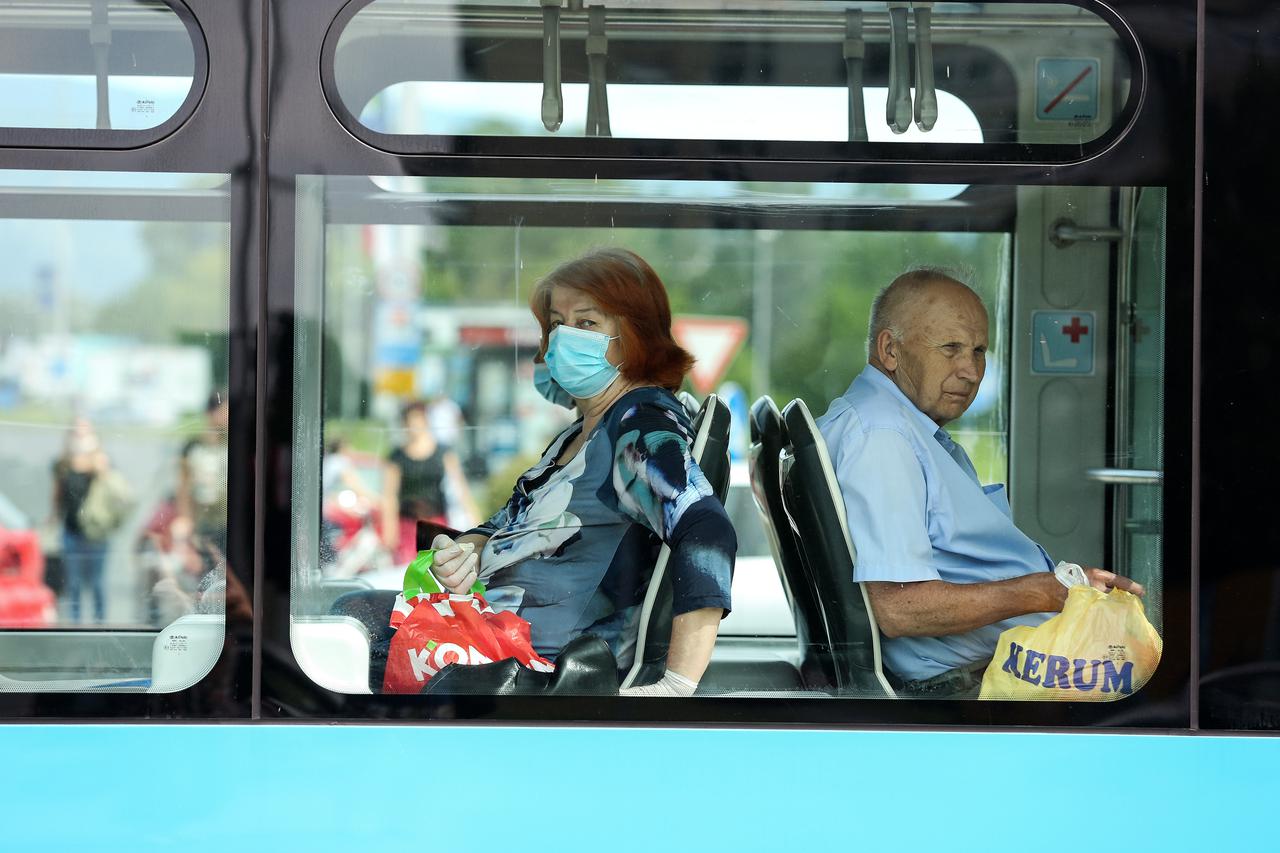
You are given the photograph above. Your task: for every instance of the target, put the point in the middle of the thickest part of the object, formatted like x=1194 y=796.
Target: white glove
x=456 y=564
x=672 y=684
x=1070 y=574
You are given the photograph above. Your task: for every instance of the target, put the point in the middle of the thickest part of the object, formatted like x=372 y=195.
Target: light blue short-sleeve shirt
x=917 y=512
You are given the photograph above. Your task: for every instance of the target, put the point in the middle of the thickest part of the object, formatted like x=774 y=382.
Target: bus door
x=1087 y=385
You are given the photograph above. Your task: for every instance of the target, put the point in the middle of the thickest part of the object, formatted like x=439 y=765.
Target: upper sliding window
x=696 y=78
x=114 y=318
x=106 y=73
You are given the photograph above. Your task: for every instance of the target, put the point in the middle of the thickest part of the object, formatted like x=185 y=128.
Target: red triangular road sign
x=713 y=342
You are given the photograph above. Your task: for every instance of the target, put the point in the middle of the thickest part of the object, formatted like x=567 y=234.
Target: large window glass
x=797 y=71
x=114 y=312
x=416 y=291
x=122 y=65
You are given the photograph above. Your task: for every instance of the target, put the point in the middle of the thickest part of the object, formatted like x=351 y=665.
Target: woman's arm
x=453 y=470
x=56 y=512
x=659 y=485
x=352 y=480
x=183 y=495
x=391 y=505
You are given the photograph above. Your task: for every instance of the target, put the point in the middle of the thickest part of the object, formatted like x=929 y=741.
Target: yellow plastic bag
x=1099 y=648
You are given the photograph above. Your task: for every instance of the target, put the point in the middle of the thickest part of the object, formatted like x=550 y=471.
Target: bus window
x=421 y=299
x=113 y=367
x=123 y=65
x=794 y=72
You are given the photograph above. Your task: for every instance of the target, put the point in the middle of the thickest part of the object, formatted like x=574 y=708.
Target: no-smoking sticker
x=1067 y=89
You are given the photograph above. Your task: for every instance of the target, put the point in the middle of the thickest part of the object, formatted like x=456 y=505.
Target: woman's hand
x=456 y=564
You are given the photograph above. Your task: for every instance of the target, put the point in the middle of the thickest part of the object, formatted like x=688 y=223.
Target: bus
x=243 y=237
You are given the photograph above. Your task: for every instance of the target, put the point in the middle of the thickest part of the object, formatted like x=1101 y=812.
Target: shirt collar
x=873 y=375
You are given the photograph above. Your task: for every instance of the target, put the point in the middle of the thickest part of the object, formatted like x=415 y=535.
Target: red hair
x=627 y=288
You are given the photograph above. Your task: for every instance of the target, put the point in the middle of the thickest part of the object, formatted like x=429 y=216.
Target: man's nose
x=968 y=369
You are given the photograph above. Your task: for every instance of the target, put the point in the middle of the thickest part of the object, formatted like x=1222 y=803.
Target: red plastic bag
x=435 y=629
x=438 y=629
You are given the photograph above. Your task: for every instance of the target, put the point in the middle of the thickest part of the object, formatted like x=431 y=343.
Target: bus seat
x=768 y=438
x=372 y=609
x=690 y=403
x=711 y=452
x=812 y=498
x=333 y=651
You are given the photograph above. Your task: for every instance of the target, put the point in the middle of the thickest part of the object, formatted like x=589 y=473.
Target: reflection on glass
x=649 y=112
x=113 y=356
x=122 y=65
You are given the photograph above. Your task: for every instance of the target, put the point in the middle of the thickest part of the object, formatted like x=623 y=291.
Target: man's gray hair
x=887 y=307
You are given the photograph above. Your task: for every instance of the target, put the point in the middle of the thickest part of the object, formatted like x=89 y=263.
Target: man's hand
x=456 y=564
x=1106 y=581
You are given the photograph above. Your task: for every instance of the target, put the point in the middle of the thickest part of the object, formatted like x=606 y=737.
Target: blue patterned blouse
x=573 y=549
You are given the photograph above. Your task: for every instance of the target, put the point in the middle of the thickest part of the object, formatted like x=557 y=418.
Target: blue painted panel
x=427 y=788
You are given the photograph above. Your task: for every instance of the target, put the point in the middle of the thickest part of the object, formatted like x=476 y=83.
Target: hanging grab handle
x=926 y=93
x=552 y=97
x=597 y=72
x=898 y=104
x=854 y=52
x=100 y=41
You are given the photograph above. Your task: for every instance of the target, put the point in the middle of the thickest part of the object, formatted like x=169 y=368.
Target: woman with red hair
x=558 y=553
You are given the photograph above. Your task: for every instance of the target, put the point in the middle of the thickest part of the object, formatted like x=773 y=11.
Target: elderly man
x=944 y=566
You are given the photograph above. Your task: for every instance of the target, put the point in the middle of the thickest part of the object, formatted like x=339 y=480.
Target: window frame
x=93 y=138
x=774 y=151
x=817 y=711
x=223 y=136
x=230 y=133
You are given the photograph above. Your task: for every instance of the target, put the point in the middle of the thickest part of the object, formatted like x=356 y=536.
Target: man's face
x=940 y=361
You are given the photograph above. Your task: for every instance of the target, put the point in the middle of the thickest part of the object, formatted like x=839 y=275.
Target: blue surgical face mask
x=576 y=360
x=549 y=388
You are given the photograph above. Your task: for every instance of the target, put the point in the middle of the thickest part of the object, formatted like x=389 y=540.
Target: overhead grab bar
x=100 y=41
x=898 y=104
x=854 y=52
x=597 y=72
x=552 y=96
x=926 y=93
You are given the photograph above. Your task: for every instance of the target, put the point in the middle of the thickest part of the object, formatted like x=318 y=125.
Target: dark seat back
x=815 y=506
x=711 y=451
x=768 y=438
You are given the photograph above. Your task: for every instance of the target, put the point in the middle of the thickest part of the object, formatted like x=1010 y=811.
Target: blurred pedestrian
x=418 y=474
x=202 y=474
x=83 y=556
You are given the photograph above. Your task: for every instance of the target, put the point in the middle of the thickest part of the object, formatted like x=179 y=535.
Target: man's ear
x=887 y=349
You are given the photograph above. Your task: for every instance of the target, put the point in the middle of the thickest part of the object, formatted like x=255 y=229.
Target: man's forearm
x=938 y=608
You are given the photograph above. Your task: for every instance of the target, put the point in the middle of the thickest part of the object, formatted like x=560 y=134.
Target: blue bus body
x=208 y=788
